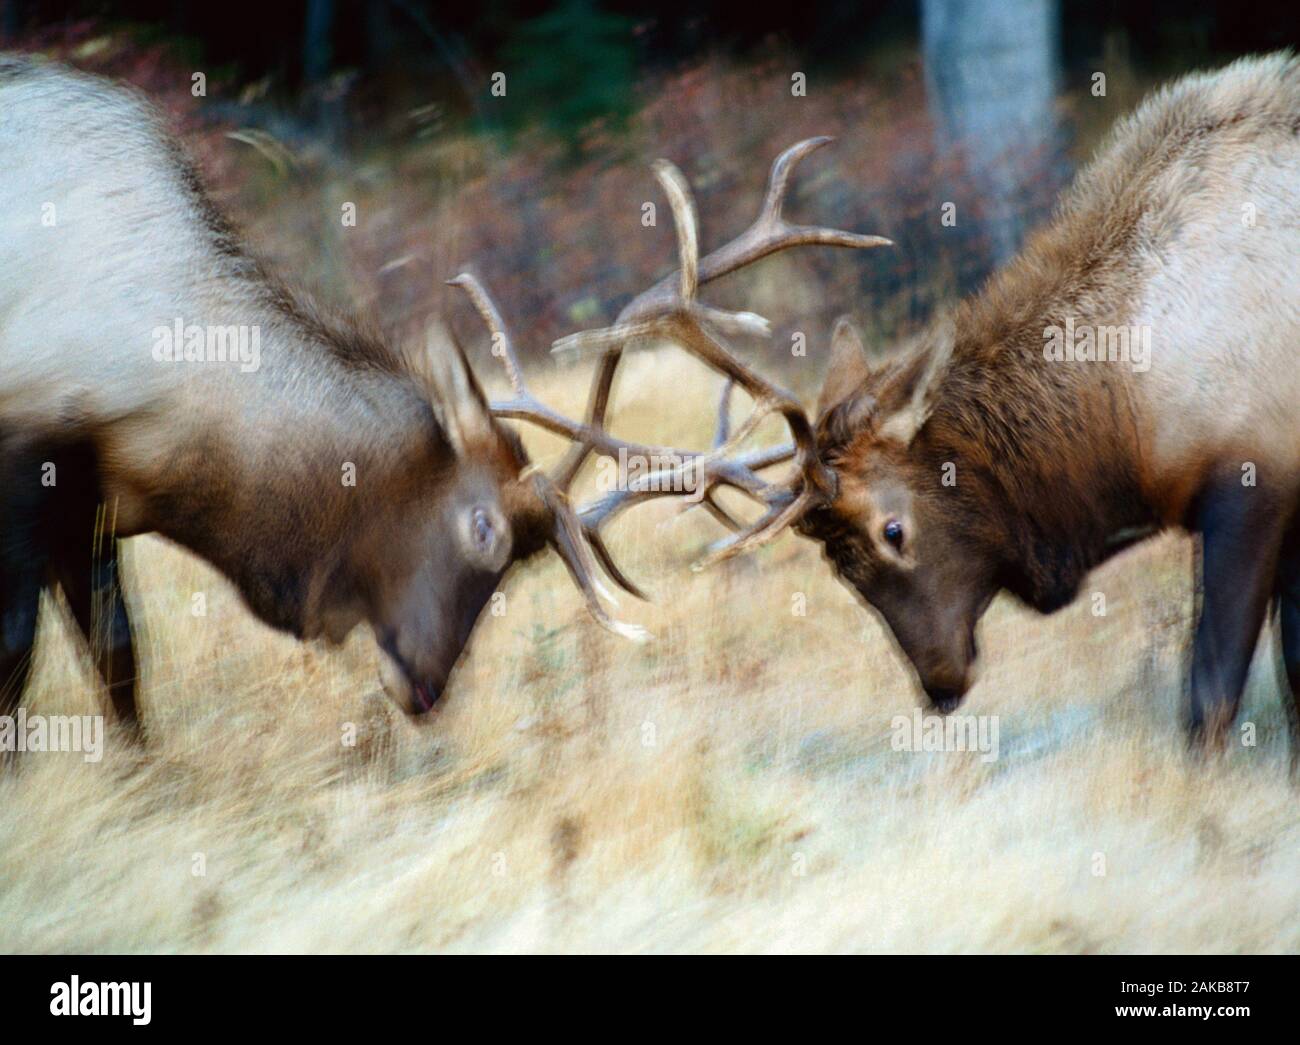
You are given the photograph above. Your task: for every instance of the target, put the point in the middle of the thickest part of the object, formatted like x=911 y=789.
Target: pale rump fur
x=1220 y=287
x=132 y=248
x=1217 y=161
x=1186 y=224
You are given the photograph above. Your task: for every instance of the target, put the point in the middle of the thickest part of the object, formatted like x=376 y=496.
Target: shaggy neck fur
x=1049 y=448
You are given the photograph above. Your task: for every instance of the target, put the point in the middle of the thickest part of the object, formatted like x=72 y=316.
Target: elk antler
x=670 y=310
x=572 y=539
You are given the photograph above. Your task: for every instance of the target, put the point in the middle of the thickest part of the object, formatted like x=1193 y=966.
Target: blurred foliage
x=596 y=90
x=572 y=68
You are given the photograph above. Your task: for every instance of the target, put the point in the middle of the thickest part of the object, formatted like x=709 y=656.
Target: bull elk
x=333 y=479
x=990 y=456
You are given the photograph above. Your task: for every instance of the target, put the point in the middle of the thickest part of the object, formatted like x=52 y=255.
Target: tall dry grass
x=728 y=787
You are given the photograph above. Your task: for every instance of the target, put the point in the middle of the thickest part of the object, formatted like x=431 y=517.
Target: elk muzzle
x=413 y=695
x=946 y=676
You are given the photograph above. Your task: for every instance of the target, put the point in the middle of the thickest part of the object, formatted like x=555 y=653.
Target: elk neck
x=1050 y=448
x=276 y=476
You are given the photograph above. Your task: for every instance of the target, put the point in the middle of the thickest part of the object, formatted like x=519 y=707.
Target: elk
x=334 y=479
x=990 y=457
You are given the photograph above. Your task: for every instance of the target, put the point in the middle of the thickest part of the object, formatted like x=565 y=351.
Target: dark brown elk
x=1134 y=369
x=334 y=480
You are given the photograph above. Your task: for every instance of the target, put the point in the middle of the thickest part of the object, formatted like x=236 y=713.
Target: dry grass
x=729 y=787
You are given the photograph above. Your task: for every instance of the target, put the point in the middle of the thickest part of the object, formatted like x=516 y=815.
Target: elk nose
x=943 y=699
x=423 y=697
x=415 y=698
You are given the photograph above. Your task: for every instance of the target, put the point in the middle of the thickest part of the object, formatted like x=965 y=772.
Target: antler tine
x=770 y=218
x=724 y=415
x=569 y=540
x=778 y=178
x=688 y=232
x=524 y=406
x=720 y=440
x=773 y=522
x=718 y=512
x=597 y=405
x=487 y=308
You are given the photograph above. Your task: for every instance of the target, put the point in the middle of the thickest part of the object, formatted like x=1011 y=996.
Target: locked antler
x=670 y=310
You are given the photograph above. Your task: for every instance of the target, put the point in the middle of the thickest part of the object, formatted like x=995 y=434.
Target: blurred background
x=958 y=123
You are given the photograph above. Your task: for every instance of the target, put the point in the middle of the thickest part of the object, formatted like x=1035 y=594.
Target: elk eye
x=894 y=533
x=482 y=530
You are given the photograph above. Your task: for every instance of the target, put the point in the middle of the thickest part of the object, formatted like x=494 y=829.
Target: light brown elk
x=993 y=456
x=331 y=478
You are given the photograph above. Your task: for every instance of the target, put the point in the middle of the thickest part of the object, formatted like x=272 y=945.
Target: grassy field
x=729 y=787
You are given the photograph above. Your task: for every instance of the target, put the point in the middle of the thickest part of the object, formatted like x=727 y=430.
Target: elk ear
x=848 y=367
x=844 y=408
x=457 y=399
x=910 y=395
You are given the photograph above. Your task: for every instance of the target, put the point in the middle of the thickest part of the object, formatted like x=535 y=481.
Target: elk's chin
x=413 y=696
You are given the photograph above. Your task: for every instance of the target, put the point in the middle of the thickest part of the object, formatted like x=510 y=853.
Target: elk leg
x=22 y=569
x=1288 y=604
x=1241 y=530
x=90 y=584
x=79 y=530
x=20 y=601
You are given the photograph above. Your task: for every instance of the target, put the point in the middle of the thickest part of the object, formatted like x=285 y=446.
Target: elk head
x=483 y=507
x=899 y=531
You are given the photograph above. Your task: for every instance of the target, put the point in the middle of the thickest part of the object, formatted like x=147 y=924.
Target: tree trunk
x=317 y=43
x=992 y=72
